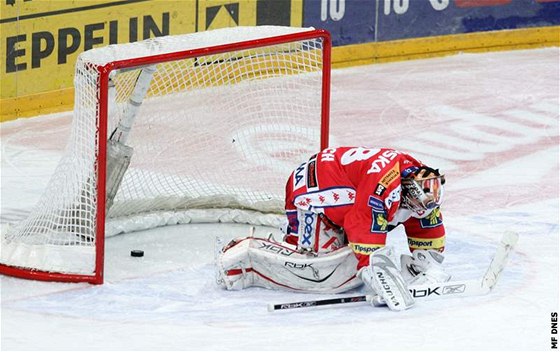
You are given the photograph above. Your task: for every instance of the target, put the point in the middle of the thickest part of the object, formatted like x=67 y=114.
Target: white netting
x=217 y=131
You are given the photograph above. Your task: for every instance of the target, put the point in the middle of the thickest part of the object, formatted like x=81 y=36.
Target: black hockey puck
x=136 y=253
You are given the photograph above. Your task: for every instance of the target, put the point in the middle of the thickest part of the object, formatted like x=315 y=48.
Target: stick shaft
x=317 y=303
x=121 y=133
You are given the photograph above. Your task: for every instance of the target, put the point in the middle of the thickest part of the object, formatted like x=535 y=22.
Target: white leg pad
x=264 y=263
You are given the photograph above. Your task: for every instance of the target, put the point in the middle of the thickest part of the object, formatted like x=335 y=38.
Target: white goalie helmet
x=422 y=189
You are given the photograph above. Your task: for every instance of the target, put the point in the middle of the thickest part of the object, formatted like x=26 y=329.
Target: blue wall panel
x=361 y=21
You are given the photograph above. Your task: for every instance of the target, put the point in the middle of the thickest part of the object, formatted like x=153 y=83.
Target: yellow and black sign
x=41 y=39
x=214 y=14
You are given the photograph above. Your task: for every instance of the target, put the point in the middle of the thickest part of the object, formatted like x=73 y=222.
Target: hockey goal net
x=210 y=120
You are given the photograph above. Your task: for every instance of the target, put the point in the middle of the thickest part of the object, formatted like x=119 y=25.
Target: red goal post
x=223 y=118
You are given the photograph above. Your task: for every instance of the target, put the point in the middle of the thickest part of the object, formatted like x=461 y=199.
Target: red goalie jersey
x=353 y=196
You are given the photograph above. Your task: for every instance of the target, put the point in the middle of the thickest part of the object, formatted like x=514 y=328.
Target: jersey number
x=360 y=154
x=357 y=154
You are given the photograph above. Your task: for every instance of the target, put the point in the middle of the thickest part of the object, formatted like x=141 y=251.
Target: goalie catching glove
x=423 y=267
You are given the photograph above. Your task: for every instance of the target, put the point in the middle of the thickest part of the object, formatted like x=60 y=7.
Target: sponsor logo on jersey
x=365 y=249
x=426 y=243
x=379 y=190
x=434 y=219
x=309 y=223
x=375 y=203
x=390 y=176
x=312 y=174
x=414 y=243
x=394 y=196
x=379 y=222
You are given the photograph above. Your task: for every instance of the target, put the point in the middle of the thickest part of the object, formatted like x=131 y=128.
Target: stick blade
x=506 y=246
x=510 y=238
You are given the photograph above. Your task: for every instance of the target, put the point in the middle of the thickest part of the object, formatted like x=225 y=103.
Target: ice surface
x=490 y=121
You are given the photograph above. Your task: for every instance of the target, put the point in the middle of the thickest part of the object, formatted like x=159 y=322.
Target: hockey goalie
x=340 y=206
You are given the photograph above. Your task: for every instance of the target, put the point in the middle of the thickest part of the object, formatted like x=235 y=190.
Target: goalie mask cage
x=226 y=116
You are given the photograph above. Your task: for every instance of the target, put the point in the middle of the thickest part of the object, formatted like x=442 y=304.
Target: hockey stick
x=451 y=289
x=118 y=153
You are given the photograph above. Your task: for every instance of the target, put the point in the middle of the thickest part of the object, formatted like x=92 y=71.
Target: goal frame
x=103 y=106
